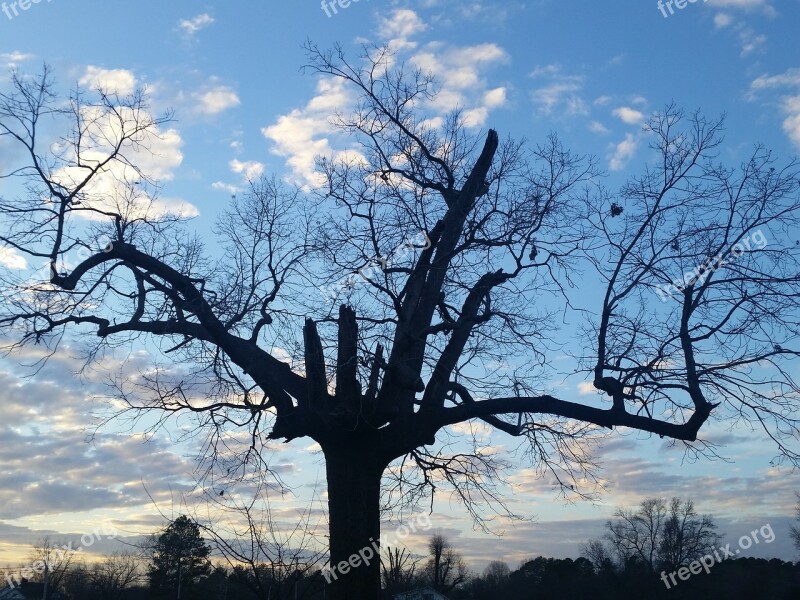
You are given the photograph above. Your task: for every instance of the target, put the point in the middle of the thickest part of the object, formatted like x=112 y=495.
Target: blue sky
x=590 y=71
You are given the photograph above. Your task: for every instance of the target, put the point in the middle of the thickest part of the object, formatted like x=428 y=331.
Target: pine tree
x=179 y=559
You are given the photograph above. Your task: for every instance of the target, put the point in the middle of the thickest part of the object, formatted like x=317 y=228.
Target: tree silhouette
x=450 y=255
x=52 y=561
x=114 y=574
x=179 y=558
x=398 y=567
x=265 y=557
x=794 y=530
x=660 y=535
x=496 y=573
x=445 y=569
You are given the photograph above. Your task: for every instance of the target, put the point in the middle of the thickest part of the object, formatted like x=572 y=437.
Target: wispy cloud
x=787 y=86
x=398 y=26
x=622 y=152
x=303 y=133
x=9 y=257
x=12 y=59
x=461 y=73
x=735 y=15
x=745 y=5
x=191 y=26
x=560 y=94
x=722 y=20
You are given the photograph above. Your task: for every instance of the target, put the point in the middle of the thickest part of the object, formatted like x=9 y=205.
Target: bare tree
x=458 y=326
x=398 y=567
x=686 y=536
x=637 y=533
x=496 y=573
x=661 y=535
x=265 y=557
x=596 y=552
x=795 y=529
x=51 y=561
x=445 y=569
x=114 y=574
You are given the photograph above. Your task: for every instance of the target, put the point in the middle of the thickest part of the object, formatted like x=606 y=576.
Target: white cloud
x=164 y=157
x=746 y=5
x=157 y=155
x=622 y=153
x=401 y=24
x=790 y=78
x=11 y=59
x=227 y=187
x=560 y=94
x=195 y=24
x=789 y=103
x=250 y=169
x=459 y=68
x=546 y=71
x=9 y=257
x=750 y=41
x=576 y=106
x=112 y=81
x=460 y=72
x=216 y=100
x=586 y=387
x=628 y=115
x=302 y=134
x=722 y=20
x=495 y=98
x=475 y=117
x=305 y=133
x=791 y=106
x=731 y=16
x=598 y=128
x=549 y=97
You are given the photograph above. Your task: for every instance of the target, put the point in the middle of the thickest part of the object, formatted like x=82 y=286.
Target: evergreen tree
x=179 y=560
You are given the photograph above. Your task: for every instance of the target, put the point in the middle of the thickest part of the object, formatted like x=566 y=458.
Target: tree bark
x=354 y=481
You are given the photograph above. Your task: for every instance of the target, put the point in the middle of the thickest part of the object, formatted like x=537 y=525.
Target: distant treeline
x=536 y=579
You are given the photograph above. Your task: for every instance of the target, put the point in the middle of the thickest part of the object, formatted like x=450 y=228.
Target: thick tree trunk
x=354 y=480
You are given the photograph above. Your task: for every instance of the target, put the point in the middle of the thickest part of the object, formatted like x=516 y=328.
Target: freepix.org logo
x=331 y=5
x=347 y=284
x=59 y=554
x=679 y=4
x=12 y=9
x=705 y=563
x=756 y=241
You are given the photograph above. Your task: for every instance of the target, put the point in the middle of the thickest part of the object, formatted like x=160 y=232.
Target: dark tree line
x=659 y=534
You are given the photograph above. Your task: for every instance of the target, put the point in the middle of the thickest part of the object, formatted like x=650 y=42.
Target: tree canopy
x=179 y=559
x=696 y=312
